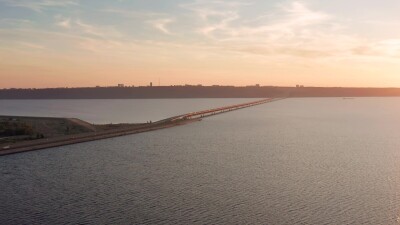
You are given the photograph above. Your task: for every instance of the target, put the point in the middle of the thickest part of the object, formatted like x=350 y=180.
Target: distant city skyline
x=76 y=43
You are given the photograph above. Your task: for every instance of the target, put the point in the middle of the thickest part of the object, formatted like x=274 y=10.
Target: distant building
x=121 y=85
x=256 y=85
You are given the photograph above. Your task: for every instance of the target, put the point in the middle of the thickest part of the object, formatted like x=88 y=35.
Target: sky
x=84 y=43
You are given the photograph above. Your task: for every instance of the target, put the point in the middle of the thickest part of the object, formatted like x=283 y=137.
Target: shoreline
x=190 y=91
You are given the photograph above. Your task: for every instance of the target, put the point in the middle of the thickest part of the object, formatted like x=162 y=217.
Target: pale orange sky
x=72 y=43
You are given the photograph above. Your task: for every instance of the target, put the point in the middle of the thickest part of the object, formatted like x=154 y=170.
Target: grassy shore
x=15 y=130
x=69 y=131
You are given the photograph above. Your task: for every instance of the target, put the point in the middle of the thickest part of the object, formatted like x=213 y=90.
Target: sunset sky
x=59 y=43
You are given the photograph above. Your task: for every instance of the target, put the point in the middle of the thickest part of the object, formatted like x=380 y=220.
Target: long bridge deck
x=92 y=136
x=215 y=111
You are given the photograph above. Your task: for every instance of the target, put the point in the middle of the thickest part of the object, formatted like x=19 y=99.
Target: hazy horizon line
x=195 y=85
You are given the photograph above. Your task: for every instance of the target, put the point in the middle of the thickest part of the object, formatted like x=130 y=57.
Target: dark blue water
x=297 y=161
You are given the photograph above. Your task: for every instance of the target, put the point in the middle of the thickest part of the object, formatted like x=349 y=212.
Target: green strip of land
x=16 y=131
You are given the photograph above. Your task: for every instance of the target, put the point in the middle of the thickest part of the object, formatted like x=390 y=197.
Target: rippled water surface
x=296 y=161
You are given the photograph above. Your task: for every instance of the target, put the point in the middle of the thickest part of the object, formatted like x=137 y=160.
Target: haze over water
x=296 y=161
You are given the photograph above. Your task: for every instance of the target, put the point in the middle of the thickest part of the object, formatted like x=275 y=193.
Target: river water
x=295 y=161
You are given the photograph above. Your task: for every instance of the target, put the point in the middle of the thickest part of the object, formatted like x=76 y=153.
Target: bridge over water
x=215 y=111
x=162 y=124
